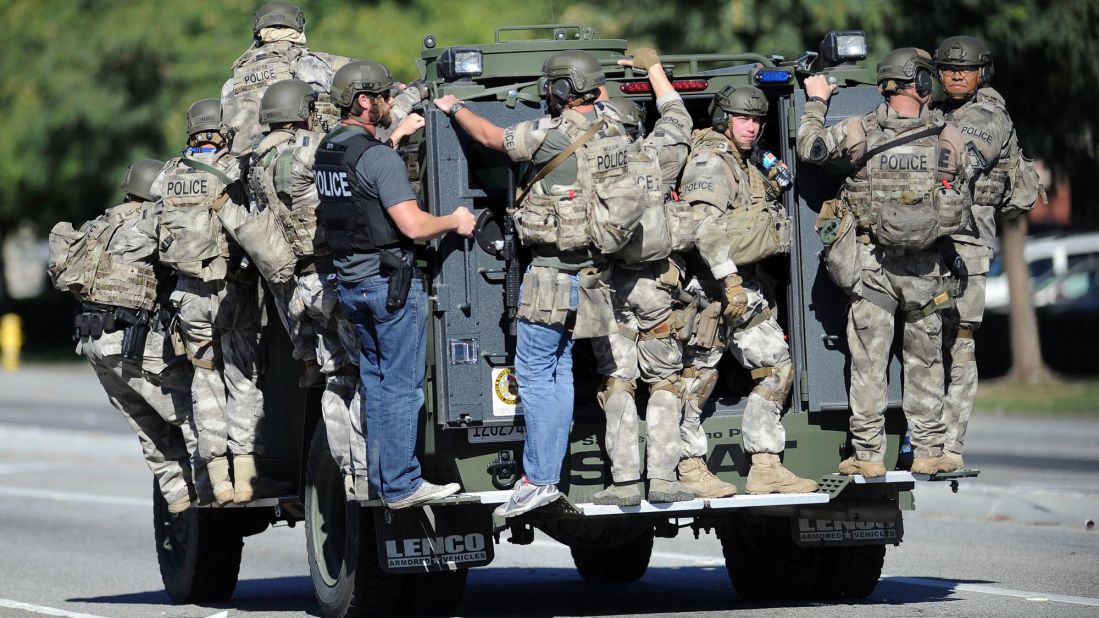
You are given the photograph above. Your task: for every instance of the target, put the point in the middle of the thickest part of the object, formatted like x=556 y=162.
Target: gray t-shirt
x=382 y=173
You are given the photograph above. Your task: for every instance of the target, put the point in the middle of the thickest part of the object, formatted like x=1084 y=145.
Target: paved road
x=76 y=533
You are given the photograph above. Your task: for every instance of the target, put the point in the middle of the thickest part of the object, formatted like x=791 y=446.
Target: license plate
x=504 y=433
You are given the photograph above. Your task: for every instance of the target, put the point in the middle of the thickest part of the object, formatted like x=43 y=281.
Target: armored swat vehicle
x=365 y=559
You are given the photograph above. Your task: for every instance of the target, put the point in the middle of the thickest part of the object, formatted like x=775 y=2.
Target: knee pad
x=672 y=384
x=705 y=380
x=612 y=385
x=774 y=383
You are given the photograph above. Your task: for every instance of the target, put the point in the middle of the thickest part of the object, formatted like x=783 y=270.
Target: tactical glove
x=420 y=86
x=736 y=297
x=645 y=57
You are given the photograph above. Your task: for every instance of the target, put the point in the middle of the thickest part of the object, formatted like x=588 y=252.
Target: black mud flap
x=441 y=538
x=813 y=532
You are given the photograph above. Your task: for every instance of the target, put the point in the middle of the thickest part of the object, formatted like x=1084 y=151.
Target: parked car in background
x=1076 y=290
x=1048 y=259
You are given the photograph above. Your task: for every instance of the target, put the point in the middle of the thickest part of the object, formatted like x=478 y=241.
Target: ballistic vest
x=274 y=183
x=190 y=232
x=353 y=221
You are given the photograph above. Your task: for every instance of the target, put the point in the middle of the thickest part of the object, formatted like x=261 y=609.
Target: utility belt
x=95 y=319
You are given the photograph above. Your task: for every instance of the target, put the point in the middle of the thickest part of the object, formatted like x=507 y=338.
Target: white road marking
x=30 y=466
x=224 y=614
x=947 y=584
x=666 y=555
x=65 y=496
x=39 y=609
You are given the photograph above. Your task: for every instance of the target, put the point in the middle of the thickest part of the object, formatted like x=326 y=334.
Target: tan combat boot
x=218 y=470
x=870 y=469
x=244 y=478
x=180 y=505
x=695 y=476
x=953 y=460
x=769 y=476
x=933 y=465
x=619 y=494
x=661 y=491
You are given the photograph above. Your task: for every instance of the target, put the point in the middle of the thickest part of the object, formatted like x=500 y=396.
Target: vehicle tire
x=433 y=594
x=341 y=545
x=198 y=551
x=849 y=572
x=614 y=565
x=765 y=564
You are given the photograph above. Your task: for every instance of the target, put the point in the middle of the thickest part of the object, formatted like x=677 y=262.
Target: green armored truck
x=365 y=559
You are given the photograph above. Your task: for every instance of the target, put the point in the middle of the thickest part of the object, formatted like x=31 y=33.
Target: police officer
x=903 y=197
x=278 y=52
x=217 y=299
x=281 y=182
x=118 y=331
x=645 y=343
x=371 y=218
x=550 y=292
x=720 y=175
x=965 y=67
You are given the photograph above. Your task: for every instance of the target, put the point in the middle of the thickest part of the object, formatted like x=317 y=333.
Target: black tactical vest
x=353 y=222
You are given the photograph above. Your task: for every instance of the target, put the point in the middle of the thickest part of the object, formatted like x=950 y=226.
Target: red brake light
x=690 y=85
x=636 y=87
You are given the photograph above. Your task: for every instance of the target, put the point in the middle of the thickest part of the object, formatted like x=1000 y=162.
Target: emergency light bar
x=769 y=77
x=681 y=85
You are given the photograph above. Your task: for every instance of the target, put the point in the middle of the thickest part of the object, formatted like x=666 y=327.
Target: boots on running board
x=697 y=478
x=769 y=476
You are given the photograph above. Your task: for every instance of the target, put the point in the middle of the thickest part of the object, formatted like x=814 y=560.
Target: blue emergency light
x=772 y=76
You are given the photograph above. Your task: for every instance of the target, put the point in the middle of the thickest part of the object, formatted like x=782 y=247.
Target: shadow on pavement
x=560 y=591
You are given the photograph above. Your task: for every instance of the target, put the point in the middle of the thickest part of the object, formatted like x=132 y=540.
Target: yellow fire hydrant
x=11 y=340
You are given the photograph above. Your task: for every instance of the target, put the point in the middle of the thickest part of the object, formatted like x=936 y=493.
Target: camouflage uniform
x=220 y=310
x=645 y=341
x=152 y=393
x=892 y=279
x=282 y=180
x=717 y=175
x=985 y=124
x=278 y=54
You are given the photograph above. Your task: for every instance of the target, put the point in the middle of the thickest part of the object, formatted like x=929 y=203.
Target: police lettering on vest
x=903 y=162
x=181 y=188
x=332 y=184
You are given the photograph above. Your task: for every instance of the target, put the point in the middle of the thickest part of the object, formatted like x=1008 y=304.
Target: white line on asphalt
x=666 y=555
x=224 y=614
x=1004 y=592
x=39 y=609
x=30 y=466
x=63 y=496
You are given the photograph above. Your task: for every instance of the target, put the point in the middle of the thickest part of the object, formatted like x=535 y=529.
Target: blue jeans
x=543 y=371
x=392 y=350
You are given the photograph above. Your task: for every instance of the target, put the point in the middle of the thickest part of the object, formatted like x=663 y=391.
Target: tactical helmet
x=278 y=14
x=742 y=100
x=139 y=177
x=627 y=111
x=906 y=64
x=204 y=115
x=290 y=100
x=360 y=76
x=965 y=51
x=579 y=70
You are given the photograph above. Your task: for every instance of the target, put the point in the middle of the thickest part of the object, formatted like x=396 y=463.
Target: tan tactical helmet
x=627 y=111
x=572 y=73
x=278 y=14
x=904 y=65
x=139 y=177
x=965 y=51
x=290 y=100
x=360 y=76
x=739 y=100
x=204 y=115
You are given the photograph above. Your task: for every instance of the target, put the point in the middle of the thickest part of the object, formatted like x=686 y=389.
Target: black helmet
x=740 y=100
x=903 y=65
x=573 y=73
x=139 y=177
x=360 y=76
x=278 y=14
x=965 y=51
x=290 y=100
x=204 y=115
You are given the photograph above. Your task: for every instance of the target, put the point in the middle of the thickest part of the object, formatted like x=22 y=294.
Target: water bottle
x=782 y=173
x=904 y=458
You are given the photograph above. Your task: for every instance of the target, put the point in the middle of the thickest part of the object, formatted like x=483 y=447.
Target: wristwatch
x=457 y=106
x=818 y=99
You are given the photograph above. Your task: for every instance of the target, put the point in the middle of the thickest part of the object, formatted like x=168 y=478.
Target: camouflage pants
x=643 y=346
x=336 y=347
x=155 y=400
x=962 y=360
x=220 y=323
x=910 y=279
x=757 y=343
